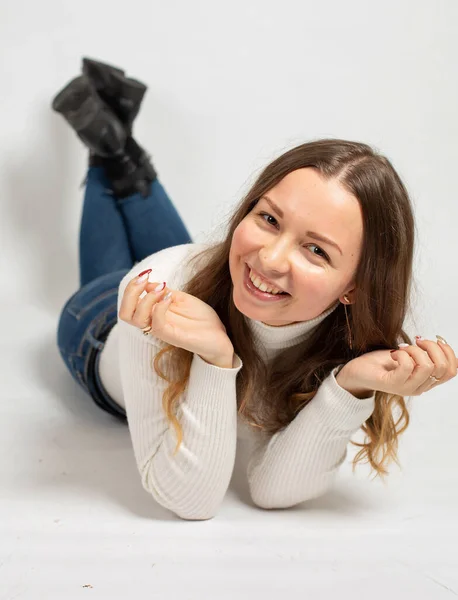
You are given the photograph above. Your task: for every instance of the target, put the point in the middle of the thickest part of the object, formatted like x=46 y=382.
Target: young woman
x=283 y=336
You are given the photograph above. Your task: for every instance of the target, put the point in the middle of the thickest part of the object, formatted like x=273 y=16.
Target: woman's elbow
x=186 y=512
x=185 y=501
x=195 y=516
x=281 y=498
x=184 y=509
x=271 y=502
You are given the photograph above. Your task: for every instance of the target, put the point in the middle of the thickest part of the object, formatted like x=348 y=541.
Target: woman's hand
x=405 y=372
x=181 y=320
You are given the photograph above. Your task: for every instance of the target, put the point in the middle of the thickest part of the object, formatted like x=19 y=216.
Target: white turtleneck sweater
x=295 y=464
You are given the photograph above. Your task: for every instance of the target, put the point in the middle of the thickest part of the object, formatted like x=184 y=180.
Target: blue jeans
x=115 y=234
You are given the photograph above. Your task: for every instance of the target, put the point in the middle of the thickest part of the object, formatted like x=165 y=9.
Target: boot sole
x=72 y=96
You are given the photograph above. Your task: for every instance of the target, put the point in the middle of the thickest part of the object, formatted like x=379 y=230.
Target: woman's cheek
x=244 y=235
x=313 y=284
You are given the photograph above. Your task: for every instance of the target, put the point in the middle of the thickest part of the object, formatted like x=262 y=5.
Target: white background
x=231 y=86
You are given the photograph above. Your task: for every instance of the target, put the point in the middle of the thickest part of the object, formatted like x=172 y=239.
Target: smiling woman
x=349 y=198
x=195 y=346
x=282 y=255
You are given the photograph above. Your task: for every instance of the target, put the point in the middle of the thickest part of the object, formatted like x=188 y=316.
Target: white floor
x=76 y=523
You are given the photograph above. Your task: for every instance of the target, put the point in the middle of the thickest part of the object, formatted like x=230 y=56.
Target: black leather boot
x=105 y=136
x=126 y=176
x=124 y=96
x=100 y=130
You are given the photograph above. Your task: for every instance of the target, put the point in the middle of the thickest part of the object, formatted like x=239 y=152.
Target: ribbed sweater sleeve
x=192 y=483
x=301 y=461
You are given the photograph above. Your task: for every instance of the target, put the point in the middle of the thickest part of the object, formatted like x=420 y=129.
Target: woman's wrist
x=349 y=383
x=224 y=360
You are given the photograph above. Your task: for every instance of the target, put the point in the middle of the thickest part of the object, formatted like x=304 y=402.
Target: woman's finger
x=416 y=365
x=143 y=313
x=437 y=356
x=132 y=292
x=406 y=365
x=449 y=367
x=424 y=367
x=445 y=373
x=160 y=308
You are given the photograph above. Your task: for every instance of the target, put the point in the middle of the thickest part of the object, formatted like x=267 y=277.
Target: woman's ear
x=348 y=297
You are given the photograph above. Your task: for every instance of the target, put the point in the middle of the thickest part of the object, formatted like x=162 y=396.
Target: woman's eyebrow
x=312 y=234
x=274 y=207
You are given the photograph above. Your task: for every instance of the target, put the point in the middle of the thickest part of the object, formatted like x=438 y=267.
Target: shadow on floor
x=89 y=449
x=83 y=446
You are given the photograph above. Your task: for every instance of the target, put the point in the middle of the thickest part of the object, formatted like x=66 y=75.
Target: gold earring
x=348 y=324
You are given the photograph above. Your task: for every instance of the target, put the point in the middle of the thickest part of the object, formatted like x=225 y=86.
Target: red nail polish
x=159 y=287
x=391 y=351
x=144 y=272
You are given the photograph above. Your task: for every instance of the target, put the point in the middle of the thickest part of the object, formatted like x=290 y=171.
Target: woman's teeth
x=262 y=286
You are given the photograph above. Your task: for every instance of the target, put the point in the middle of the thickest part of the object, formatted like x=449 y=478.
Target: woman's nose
x=275 y=259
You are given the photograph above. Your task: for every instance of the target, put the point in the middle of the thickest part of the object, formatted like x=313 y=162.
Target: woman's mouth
x=254 y=292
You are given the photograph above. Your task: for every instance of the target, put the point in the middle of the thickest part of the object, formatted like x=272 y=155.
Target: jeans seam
x=84 y=310
x=76 y=371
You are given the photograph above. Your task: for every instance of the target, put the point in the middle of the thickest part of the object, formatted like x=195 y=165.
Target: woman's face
x=279 y=246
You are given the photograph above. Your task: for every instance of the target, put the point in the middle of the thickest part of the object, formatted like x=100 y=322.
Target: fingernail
x=144 y=272
x=159 y=287
x=166 y=297
x=143 y=276
x=403 y=345
x=418 y=337
x=391 y=351
x=441 y=339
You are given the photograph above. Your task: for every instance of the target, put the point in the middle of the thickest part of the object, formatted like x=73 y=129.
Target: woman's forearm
x=193 y=482
x=301 y=461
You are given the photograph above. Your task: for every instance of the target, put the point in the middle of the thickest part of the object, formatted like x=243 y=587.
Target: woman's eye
x=323 y=253
x=263 y=214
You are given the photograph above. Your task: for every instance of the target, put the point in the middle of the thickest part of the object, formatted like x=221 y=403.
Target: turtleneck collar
x=275 y=338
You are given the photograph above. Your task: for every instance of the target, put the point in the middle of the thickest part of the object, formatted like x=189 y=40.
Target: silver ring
x=434 y=378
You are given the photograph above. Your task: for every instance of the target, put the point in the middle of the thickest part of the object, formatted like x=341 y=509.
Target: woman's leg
x=152 y=223
x=117 y=229
x=104 y=246
x=84 y=324
x=115 y=233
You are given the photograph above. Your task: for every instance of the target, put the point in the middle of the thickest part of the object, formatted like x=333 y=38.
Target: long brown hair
x=383 y=280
